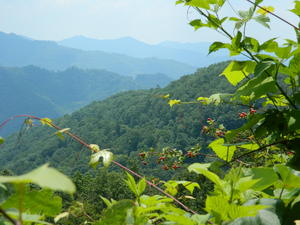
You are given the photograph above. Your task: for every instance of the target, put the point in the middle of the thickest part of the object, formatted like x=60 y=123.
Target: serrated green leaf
x=296 y=8
x=198 y=3
x=263 y=20
x=251 y=44
x=202 y=168
x=197 y=24
x=251 y=146
x=179 y=2
x=141 y=186
x=42 y=202
x=288 y=176
x=224 y=152
x=132 y=184
x=45 y=177
x=266 y=177
x=237 y=71
x=257 y=88
x=107 y=157
x=284 y=52
x=217 y=45
x=117 y=214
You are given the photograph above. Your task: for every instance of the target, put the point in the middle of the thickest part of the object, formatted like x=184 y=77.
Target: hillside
x=194 y=54
x=19 y=51
x=32 y=90
x=125 y=122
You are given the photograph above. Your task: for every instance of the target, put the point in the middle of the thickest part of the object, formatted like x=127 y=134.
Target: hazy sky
x=151 y=21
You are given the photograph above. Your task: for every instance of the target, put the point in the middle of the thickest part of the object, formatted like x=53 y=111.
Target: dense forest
x=33 y=88
x=126 y=123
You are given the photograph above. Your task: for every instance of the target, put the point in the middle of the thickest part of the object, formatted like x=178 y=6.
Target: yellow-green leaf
x=44 y=177
x=237 y=71
x=265 y=10
x=174 y=102
x=46 y=121
x=95 y=147
x=222 y=151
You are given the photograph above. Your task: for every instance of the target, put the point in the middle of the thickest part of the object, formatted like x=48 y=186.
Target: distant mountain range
x=194 y=54
x=32 y=90
x=21 y=51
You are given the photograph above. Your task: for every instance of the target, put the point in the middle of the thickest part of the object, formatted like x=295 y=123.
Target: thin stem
x=259 y=149
x=79 y=140
x=8 y=217
x=275 y=15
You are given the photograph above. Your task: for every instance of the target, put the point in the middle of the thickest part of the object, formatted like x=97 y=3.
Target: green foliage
x=45 y=177
x=255 y=179
x=28 y=204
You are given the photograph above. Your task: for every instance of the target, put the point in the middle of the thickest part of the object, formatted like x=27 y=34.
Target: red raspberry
x=242 y=115
x=162 y=158
x=220 y=133
x=252 y=111
x=174 y=166
x=142 y=154
x=205 y=129
x=165 y=167
x=190 y=154
x=210 y=119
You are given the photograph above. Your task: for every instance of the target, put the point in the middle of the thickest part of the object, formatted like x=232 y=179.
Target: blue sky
x=151 y=21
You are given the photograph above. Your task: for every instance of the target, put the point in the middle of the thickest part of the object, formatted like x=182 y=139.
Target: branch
x=275 y=15
x=79 y=140
x=258 y=150
x=15 y=222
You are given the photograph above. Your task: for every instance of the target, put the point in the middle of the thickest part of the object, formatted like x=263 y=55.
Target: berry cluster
x=244 y=114
x=213 y=129
x=171 y=159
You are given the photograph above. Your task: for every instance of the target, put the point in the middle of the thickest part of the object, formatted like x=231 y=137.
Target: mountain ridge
x=19 y=51
x=34 y=90
x=194 y=54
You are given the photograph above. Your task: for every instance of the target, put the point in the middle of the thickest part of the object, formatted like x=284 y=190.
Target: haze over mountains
x=44 y=93
x=47 y=79
x=194 y=54
x=21 y=51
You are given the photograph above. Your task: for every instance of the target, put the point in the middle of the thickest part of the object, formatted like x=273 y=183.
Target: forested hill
x=19 y=51
x=32 y=90
x=125 y=122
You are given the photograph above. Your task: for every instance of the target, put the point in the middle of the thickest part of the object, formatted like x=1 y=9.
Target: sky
x=151 y=21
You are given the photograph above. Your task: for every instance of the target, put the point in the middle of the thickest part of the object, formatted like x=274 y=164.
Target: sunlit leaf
x=46 y=121
x=224 y=152
x=265 y=10
x=202 y=168
x=173 y=102
x=36 y=202
x=107 y=157
x=45 y=177
x=237 y=71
